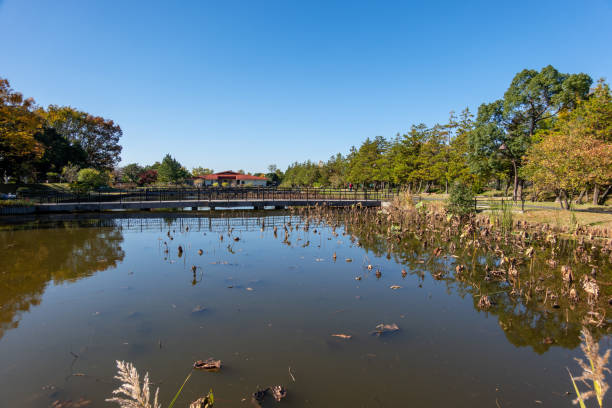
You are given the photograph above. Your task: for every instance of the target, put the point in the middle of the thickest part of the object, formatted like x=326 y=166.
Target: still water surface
x=76 y=295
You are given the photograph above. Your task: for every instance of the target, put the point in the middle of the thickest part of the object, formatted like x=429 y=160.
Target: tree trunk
x=596 y=195
x=602 y=199
x=563 y=200
x=446 y=187
x=581 y=196
x=507 y=188
x=559 y=199
x=516 y=181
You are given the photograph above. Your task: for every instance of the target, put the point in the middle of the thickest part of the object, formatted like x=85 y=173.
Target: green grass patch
x=15 y=203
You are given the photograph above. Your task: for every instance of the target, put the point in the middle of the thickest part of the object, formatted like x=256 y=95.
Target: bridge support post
x=194 y=208
x=279 y=207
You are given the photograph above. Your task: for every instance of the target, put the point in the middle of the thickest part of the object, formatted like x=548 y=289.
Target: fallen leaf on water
x=395 y=287
x=203 y=402
x=385 y=329
x=349 y=260
x=209 y=365
x=81 y=402
x=259 y=395
x=342 y=336
x=198 y=309
x=249 y=289
x=278 y=392
x=357 y=277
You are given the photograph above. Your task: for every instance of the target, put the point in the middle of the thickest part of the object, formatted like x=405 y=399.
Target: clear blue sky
x=243 y=84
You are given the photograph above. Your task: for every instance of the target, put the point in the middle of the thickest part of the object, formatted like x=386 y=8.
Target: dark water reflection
x=75 y=295
x=547 y=320
x=30 y=259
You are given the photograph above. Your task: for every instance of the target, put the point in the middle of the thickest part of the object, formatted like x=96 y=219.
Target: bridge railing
x=206 y=194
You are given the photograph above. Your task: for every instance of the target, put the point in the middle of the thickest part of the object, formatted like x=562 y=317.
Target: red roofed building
x=232 y=178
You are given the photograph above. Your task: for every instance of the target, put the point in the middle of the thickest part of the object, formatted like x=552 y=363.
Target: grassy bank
x=15 y=203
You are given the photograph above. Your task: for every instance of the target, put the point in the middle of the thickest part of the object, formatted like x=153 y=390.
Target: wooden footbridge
x=205 y=199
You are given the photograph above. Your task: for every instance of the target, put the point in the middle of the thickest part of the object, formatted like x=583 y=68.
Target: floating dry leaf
x=348 y=260
x=278 y=392
x=342 y=336
x=259 y=395
x=385 y=329
x=395 y=287
x=203 y=402
x=81 y=402
x=209 y=365
x=484 y=302
x=198 y=309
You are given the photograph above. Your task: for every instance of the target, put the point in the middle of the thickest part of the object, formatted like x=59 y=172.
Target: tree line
x=550 y=131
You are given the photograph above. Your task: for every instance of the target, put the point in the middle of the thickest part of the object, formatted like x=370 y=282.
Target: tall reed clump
x=592 y=372
x=137 y=396
x=506 y=216
x=573 y=222
x=402 y=200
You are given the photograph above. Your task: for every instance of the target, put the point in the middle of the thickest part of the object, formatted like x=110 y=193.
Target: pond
x=79 y=293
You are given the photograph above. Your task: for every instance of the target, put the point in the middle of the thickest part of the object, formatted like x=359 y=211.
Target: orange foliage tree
x=577 y=152
x=19 y=123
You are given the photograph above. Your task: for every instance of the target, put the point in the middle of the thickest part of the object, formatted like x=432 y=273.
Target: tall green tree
x=368 y=165
x=405 y=157
x=171 y=171
x=505 y=128
x=457 y=165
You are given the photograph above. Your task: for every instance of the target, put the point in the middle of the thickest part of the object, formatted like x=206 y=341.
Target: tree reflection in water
x=545 y=319
x=31 y=257
x=69 y=251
